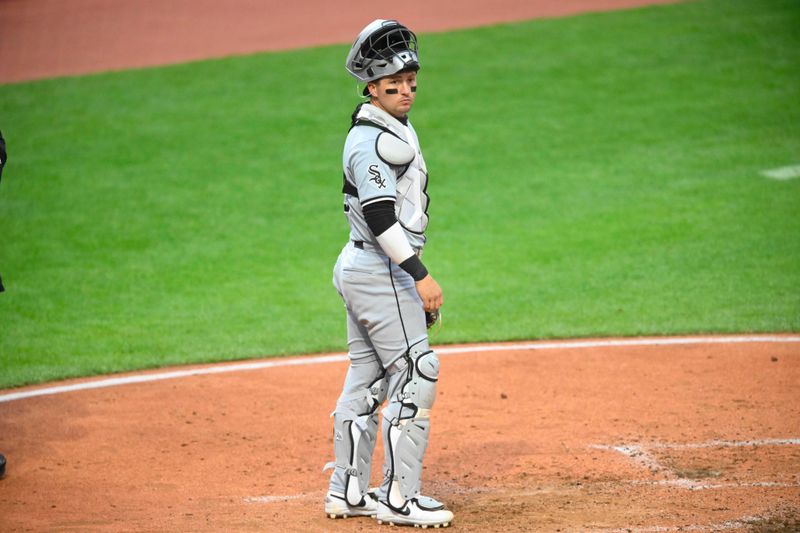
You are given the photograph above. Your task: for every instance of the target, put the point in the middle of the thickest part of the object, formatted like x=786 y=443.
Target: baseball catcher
x=387 y=291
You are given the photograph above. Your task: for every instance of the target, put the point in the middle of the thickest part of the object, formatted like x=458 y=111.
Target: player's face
x=395 y=94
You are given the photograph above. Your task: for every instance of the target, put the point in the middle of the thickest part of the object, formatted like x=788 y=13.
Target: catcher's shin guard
x=406 y=423
x=355 y=430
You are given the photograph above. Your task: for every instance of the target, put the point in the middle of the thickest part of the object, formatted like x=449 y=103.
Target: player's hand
x=430 y=293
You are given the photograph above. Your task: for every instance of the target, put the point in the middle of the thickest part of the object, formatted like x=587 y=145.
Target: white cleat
x=336 y=506
x=420 y=512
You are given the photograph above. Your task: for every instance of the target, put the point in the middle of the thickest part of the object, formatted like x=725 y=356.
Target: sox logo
x=376 y=177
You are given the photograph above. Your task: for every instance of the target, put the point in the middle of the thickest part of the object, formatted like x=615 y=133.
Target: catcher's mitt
x=432 y=318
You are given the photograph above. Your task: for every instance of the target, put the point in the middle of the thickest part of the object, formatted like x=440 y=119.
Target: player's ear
x=372 y=87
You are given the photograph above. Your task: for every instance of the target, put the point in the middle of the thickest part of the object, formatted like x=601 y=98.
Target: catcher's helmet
x=383 y=48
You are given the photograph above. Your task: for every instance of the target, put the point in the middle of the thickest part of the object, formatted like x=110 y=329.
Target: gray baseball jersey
x=374 y=179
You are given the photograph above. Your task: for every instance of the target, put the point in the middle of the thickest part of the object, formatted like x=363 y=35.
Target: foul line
x=639 y=454
x=279 y=499
x=725 y=444
x=335 y=358
x=694 y=485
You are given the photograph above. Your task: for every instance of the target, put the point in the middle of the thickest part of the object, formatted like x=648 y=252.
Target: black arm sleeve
x=379 y=216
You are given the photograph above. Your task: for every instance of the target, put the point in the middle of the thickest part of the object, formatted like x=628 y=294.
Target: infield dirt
x=521 y=441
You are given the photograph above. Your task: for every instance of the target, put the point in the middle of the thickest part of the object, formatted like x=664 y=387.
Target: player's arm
x=380 y=217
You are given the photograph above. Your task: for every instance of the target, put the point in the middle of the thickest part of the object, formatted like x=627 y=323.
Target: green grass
x=593 y=175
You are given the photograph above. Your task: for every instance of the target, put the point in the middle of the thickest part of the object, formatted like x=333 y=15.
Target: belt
x=361 y=245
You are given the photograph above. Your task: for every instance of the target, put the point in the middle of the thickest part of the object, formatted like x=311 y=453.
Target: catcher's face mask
x=383 y=48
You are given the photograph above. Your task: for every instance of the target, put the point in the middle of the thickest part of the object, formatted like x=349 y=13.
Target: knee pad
x=355 y=430
x=420 y=387
x=415 y=378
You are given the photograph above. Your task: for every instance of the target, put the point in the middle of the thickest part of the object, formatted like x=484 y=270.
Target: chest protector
x=397 y=146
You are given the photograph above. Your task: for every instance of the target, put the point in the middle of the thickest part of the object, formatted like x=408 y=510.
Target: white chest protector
x=398 y=146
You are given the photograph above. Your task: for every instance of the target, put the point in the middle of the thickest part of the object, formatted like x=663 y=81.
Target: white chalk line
x=146 y=378
x=635 y=453
x=694 y=485
x=335 y=358
x=280 y=499
x=726 y=444
x=638 y=453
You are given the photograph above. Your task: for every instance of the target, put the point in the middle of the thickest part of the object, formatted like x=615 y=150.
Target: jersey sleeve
x=374 y=178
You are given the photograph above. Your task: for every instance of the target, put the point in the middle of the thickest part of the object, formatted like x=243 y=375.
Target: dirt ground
x=695 y=437
x=46 y=38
